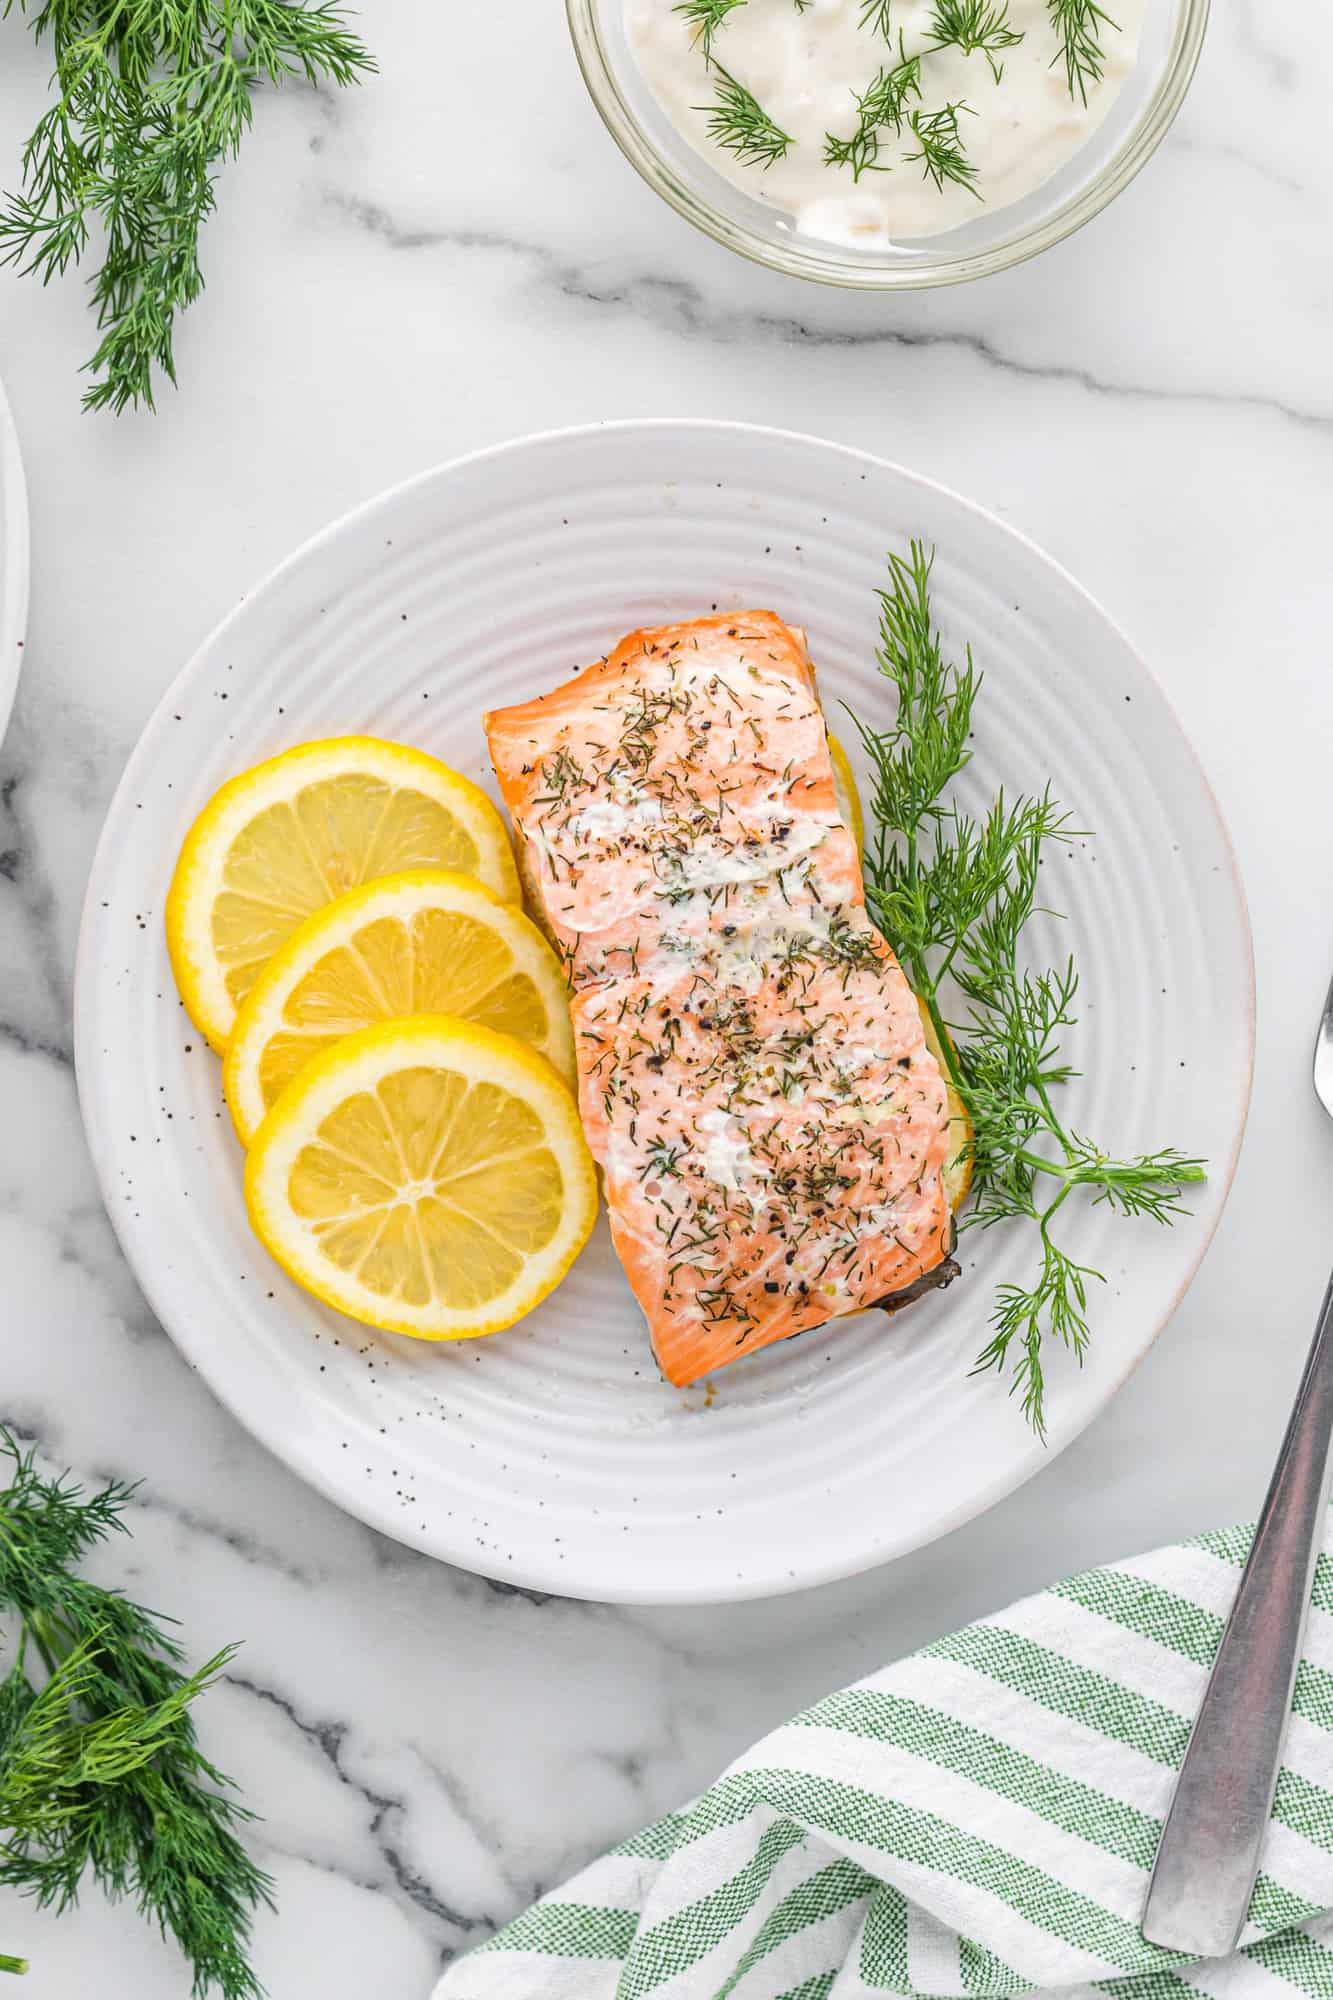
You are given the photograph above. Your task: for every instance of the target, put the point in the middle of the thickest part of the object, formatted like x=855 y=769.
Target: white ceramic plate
x=552 y=1455
x=13 y=561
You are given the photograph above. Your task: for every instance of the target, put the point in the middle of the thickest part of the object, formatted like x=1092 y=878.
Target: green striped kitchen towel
x=974 y=1822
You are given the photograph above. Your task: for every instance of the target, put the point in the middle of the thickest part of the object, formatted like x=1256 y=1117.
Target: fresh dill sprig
x=152 y=97
x=738 y=121
x=975 y=24
x=705 y=18
x=880 y=107
x=940 y=148
x=953 y=895
x=1078 y=25
x=875 y=14
x=100 y=1770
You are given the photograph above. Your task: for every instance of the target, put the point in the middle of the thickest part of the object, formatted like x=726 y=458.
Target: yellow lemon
x=418 y=943
x=284 y=839
x=534 y=902
x=846 y=793
x=958 y=1166
x=427 y=1176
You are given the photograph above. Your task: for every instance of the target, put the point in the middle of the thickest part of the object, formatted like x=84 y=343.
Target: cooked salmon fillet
x=753 y=1076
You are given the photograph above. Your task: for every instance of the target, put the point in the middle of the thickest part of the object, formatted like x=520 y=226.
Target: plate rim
x=290 y=1451
x=15 y=562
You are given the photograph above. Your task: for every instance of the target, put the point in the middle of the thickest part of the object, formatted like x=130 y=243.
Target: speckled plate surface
x=552 y=1455
x=13 y=561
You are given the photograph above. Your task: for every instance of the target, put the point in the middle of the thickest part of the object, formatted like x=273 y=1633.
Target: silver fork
x=1209 y=1853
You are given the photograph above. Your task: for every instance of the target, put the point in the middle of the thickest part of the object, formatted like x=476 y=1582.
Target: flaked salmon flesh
x=753 y=1076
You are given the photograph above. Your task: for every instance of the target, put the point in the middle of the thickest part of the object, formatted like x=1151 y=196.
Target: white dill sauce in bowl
x=868 y=124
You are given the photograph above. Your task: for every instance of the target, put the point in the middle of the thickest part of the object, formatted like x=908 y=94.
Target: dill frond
x=940 y=148
x=705 y=18
x=739 y=122
x=969 y=25
x=953 y=895
x=1078 y=25
x=152 y=98
x=875 y=14
x=880 y=108
x=101 y=1773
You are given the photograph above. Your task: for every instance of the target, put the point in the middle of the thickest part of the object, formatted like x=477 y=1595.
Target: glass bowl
x=1152 y=94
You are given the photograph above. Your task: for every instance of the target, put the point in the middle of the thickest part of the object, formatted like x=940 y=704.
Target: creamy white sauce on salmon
x=808 y=66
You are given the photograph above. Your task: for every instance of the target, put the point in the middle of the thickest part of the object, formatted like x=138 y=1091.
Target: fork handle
x=1208 y=1858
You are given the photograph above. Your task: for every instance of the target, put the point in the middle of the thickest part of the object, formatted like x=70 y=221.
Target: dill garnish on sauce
x=738 y=122
x=705 y=18
x=880 y=108
x=968 y=25
x=940 y=148
x=1079 y=24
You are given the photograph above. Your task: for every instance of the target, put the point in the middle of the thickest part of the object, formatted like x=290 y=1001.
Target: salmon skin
x=753 y=1076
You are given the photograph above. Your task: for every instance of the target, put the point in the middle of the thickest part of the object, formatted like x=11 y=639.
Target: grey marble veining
x=393 y=280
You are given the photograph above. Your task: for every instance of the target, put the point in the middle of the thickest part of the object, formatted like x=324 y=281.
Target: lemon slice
x=534 y=902
x=846 y=792
x=420 y=943
x=427 y=1176
x=958 y=1166
x=287 y=837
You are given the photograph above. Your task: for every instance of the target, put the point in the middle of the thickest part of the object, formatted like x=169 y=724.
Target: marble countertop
x=387 y=287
